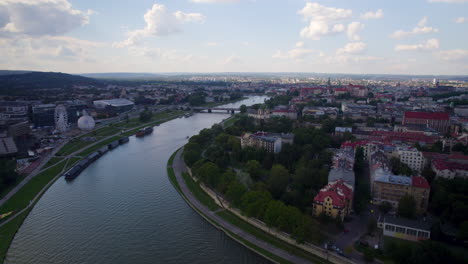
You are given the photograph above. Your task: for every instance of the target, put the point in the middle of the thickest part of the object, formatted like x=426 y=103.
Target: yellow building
x=334 y=200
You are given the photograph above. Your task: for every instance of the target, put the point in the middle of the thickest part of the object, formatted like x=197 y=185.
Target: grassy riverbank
x=206 y=200
x=8 y=232
x=30 y=190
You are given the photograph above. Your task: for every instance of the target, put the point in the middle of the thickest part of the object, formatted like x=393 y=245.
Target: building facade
x=411 y=157
x=406 y=229
x=439 y=121
x=334 y=200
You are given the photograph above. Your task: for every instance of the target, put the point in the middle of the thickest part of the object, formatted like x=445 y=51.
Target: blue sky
x=347 y=36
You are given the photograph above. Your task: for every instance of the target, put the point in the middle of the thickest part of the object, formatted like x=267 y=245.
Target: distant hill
x=12 y=84
x=9 y=72
x=123 y=75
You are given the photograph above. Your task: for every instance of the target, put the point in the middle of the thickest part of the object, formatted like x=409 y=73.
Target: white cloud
x=317 y=29
x=352 y=48
x=211 y=44
x=429 y=45
x=315 y=11
x=456 y=55
x=213 y=1
x=448 y=1
x=322 y=20
x=294 y=54
x=299 y=44
x=460 y=20
x=233 y=59
x=167 y=55
x=373 y=15
x=353 y=29
x=160 y=22
x=39 y=17
x=421 y=28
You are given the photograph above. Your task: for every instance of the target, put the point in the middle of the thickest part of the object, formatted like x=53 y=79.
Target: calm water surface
x=123 y=209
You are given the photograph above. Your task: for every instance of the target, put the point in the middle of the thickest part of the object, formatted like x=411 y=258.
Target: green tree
x=371 y=225
x=191 y=156
x=254 y=203
x=243 y=108
x=234 y=193
x=278 y=180
x=407 y=206
x=8 y=174
x=146 y=116
x=254 y=169
x=385 y=207
x=209 y=173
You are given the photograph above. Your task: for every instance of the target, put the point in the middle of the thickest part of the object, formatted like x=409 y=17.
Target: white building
x=411 y=157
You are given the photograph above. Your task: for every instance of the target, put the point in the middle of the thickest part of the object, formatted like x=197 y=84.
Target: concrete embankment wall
x=315 y=250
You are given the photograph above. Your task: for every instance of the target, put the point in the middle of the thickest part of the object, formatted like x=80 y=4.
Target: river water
x=123 y=209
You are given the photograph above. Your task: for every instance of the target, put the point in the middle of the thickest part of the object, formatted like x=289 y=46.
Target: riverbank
x=248 y=235
x=24 y=198
x=176 y=178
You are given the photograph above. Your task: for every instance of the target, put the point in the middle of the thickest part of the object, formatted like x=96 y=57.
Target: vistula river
x=123 y=209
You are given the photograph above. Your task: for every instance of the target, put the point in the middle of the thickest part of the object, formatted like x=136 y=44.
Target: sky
x=346 y=36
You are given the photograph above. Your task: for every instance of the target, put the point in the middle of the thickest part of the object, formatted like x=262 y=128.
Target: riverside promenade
x=180 y=167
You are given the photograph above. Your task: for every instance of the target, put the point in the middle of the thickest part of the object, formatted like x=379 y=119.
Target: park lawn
x=259 y=249
x=52 y=161
x=6 y=190
x=233 y=219
x=170 y=173
x=156 y=119
x=72 y=161
x=103 y=132
x=96 y=147
x=198 y=192
x=22 y=198
x=73 y=146
x=231 y=121
x=7 y=233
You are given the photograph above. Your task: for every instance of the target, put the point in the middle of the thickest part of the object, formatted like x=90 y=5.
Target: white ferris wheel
x=61 y=118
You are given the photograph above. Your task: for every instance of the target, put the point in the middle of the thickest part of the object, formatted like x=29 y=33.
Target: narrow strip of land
x=180 y=167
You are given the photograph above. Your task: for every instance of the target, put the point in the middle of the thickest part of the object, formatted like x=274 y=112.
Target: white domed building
x=86 y=122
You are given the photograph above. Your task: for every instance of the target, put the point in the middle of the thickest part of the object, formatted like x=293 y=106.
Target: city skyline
x=374 y=37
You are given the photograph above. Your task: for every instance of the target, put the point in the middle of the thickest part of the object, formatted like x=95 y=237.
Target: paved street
x=179 y=167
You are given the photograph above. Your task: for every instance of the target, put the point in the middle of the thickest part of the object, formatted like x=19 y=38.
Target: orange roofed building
x=334 y=200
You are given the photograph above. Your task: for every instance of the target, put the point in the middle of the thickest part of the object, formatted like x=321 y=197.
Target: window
x=400 y=230
x=411 y=232
x=390 y=228
x=423 y=234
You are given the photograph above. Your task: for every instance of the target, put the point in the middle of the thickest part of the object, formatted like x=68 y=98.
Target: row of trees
x=257 y=200
x=8 y=175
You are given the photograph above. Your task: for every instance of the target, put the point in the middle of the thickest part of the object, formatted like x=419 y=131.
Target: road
x=179 y=167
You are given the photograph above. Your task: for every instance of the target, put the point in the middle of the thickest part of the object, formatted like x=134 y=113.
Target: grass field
x=72 y=161
x=10 y=187
x=52 y=161
x=233 y=219
x=7 y=233
x=94 y=148
x=198 y=192
x=170 y=172
x=22 y=198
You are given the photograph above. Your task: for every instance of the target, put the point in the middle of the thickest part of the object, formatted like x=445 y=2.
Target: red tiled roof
x=337 y=191
x=354 y=144
x=420 y=182
x=356 y=86
x=445 y=165
x=426 y=115
x=341 y=90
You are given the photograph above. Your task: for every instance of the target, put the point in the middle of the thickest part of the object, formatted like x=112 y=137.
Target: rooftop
x=416 y=224
x=427 y=115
